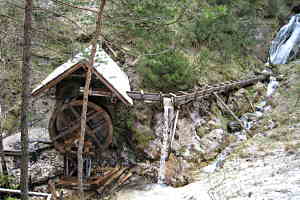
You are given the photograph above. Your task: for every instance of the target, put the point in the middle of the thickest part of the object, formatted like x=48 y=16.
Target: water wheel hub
x=64 y=128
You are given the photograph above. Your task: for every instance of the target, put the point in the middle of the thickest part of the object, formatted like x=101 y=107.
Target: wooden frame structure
x=105 y=69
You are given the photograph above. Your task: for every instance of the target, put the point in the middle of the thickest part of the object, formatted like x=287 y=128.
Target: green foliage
x=220 y=29
x=11 y=198
x=276 y=8
x=142 y=137
x=7 y=181
x=167 y=71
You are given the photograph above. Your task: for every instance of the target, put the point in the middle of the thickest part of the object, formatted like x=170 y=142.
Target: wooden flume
x=183 y=97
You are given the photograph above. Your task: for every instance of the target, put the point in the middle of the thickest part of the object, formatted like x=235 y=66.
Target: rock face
x=268 y=170
x=198 y=139
x=42 y=165
x=36 y=138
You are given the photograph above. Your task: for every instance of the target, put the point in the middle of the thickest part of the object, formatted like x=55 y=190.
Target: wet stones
x=234 y=126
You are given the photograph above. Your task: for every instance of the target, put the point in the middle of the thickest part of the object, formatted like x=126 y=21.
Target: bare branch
x=73 y=6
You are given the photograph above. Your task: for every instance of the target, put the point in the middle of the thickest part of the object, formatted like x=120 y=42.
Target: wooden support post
x=174 y=129
x=250 y=102
x=232 y=113
x=51 y=188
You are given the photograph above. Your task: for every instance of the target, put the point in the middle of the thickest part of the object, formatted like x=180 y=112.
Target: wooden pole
x=85 y=96
x=51 y=188
x=174 y=129
x=2 y=155
x=232 y=113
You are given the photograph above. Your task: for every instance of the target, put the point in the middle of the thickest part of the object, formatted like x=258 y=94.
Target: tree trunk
x=86 y=95
x=26 y=72
x=2 y=157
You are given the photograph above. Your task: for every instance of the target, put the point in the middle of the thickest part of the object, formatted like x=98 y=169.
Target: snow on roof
x=105 y=69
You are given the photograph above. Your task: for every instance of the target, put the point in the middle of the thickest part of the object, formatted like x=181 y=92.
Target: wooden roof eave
x=57 y=79
x=73 y=69
x=115 y=91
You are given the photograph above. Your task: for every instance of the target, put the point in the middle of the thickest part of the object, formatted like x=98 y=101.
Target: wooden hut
x=109 y=84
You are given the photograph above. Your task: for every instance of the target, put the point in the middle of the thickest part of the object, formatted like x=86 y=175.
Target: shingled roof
x=105 y=69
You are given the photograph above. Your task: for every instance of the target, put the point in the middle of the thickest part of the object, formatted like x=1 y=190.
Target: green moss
x=201 y=131
x=8 y=182
x=142 y=137
x=219 y=115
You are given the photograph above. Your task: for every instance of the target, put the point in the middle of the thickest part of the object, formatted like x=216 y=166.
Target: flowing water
x=168 y=117
x=286 y=44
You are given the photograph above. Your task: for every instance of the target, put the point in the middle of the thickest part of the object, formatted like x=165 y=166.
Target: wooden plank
x=98 y=92
x=146 y=96
x=37 y=194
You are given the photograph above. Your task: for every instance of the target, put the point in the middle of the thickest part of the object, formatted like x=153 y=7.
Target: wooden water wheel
x=64 y=128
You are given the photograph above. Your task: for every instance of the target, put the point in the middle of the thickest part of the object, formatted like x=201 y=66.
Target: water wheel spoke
x=74 y=111
x=93 y=135
x=63 y=121
x=65 y=128
x=74 y=126
x=100 y=126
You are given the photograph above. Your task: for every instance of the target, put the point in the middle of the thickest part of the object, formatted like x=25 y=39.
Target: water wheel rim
x=98 y=111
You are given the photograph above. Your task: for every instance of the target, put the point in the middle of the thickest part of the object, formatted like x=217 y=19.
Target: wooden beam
x=37 y=194
x=137 y=95
x=231 y=112
x=98 y=92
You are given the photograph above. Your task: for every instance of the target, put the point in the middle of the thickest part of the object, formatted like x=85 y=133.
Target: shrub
x=169 y=71
x=220 y=29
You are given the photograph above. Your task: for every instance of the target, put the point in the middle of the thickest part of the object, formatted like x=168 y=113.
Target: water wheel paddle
x=64 y=128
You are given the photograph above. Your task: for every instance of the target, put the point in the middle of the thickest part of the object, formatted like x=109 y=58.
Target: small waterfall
x=286 y=44
x=168 y=117
x=163 y=157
